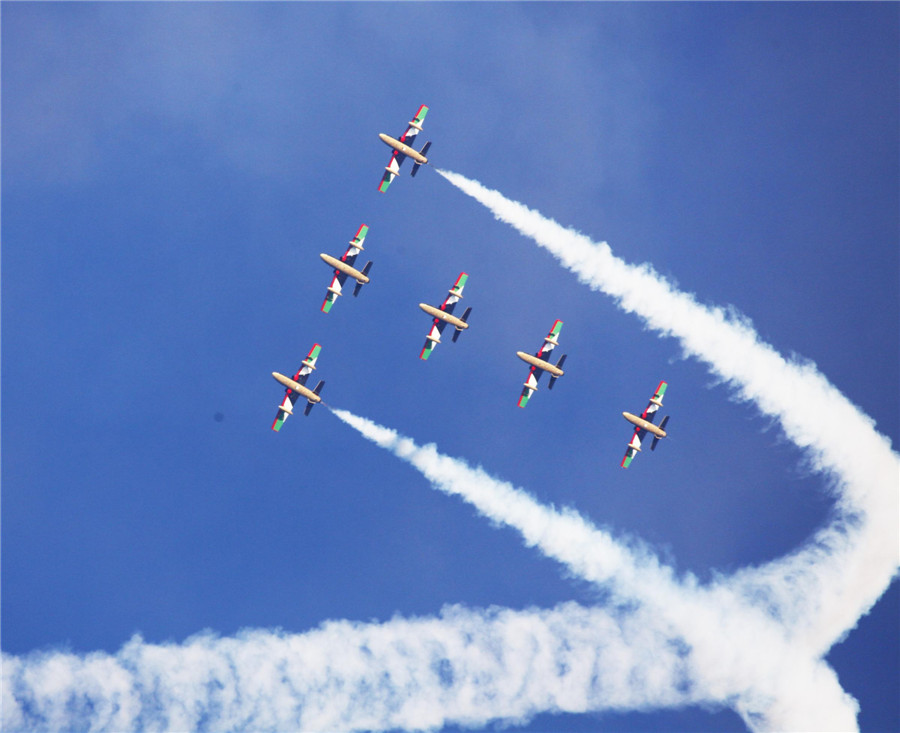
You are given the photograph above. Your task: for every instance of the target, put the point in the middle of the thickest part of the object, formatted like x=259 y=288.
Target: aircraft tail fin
x=559 y=364
x=365 y=271
x=662 y=426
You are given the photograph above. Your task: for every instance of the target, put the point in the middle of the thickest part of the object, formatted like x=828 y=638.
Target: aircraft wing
x=337 y=282
x=286 y=408
x=392 y=170
x=534 y=374
x=334 y=290
x=290 y=397
x=655 y=402
x=433 y=338
x=531 y=385
x=437 y=327
x=633 y=447
x=408 y=138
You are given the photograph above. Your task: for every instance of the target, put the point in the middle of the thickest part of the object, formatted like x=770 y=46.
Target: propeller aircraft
x=644 y=424
x=539 y=364
x=444 y=315
x=403 y=149
x=343 y=268
x=295 y=388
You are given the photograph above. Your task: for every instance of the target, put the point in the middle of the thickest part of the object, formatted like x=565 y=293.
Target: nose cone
x=384 y=138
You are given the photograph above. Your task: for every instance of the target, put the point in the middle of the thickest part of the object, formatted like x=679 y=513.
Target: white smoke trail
x=738 y=654
x=464 y=667
x=663 y=643
x=821 y=591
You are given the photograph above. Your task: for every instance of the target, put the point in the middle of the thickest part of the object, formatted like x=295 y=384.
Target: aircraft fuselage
x=540 y=363
x=644 y=425
x=444 y=316
x=298 y=388
x=403 y=148
x=345 y=268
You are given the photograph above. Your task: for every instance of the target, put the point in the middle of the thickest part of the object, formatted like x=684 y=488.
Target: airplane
x=644 y=424
x=343 y=268
x=539 y=364
x=294 y=388
x=403 y=149
x=443 y=316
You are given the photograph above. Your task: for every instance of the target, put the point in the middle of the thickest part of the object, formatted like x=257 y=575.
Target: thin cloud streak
x=820 y=591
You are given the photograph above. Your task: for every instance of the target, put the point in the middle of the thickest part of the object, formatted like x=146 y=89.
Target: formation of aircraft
x=403 y=149
x=644 y=424
x=343 y=268
x=539 y=364
x=444 y=315
x=295 y=388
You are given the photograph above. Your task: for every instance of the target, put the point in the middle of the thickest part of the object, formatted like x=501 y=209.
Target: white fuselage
x=444 y=316
x=644 y=425
x=540 y=363
x=298 y=388
x=403 y=148
x=345 y=268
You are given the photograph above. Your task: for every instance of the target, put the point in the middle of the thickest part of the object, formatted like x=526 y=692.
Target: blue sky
x=171 y=173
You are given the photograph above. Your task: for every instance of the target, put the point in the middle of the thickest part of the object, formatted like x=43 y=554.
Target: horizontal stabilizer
x=425 y=147
x=464 y=319
x=558 y=366
x=319 y=386
x=309 y=406
x=365 y=272
x=662 y=426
